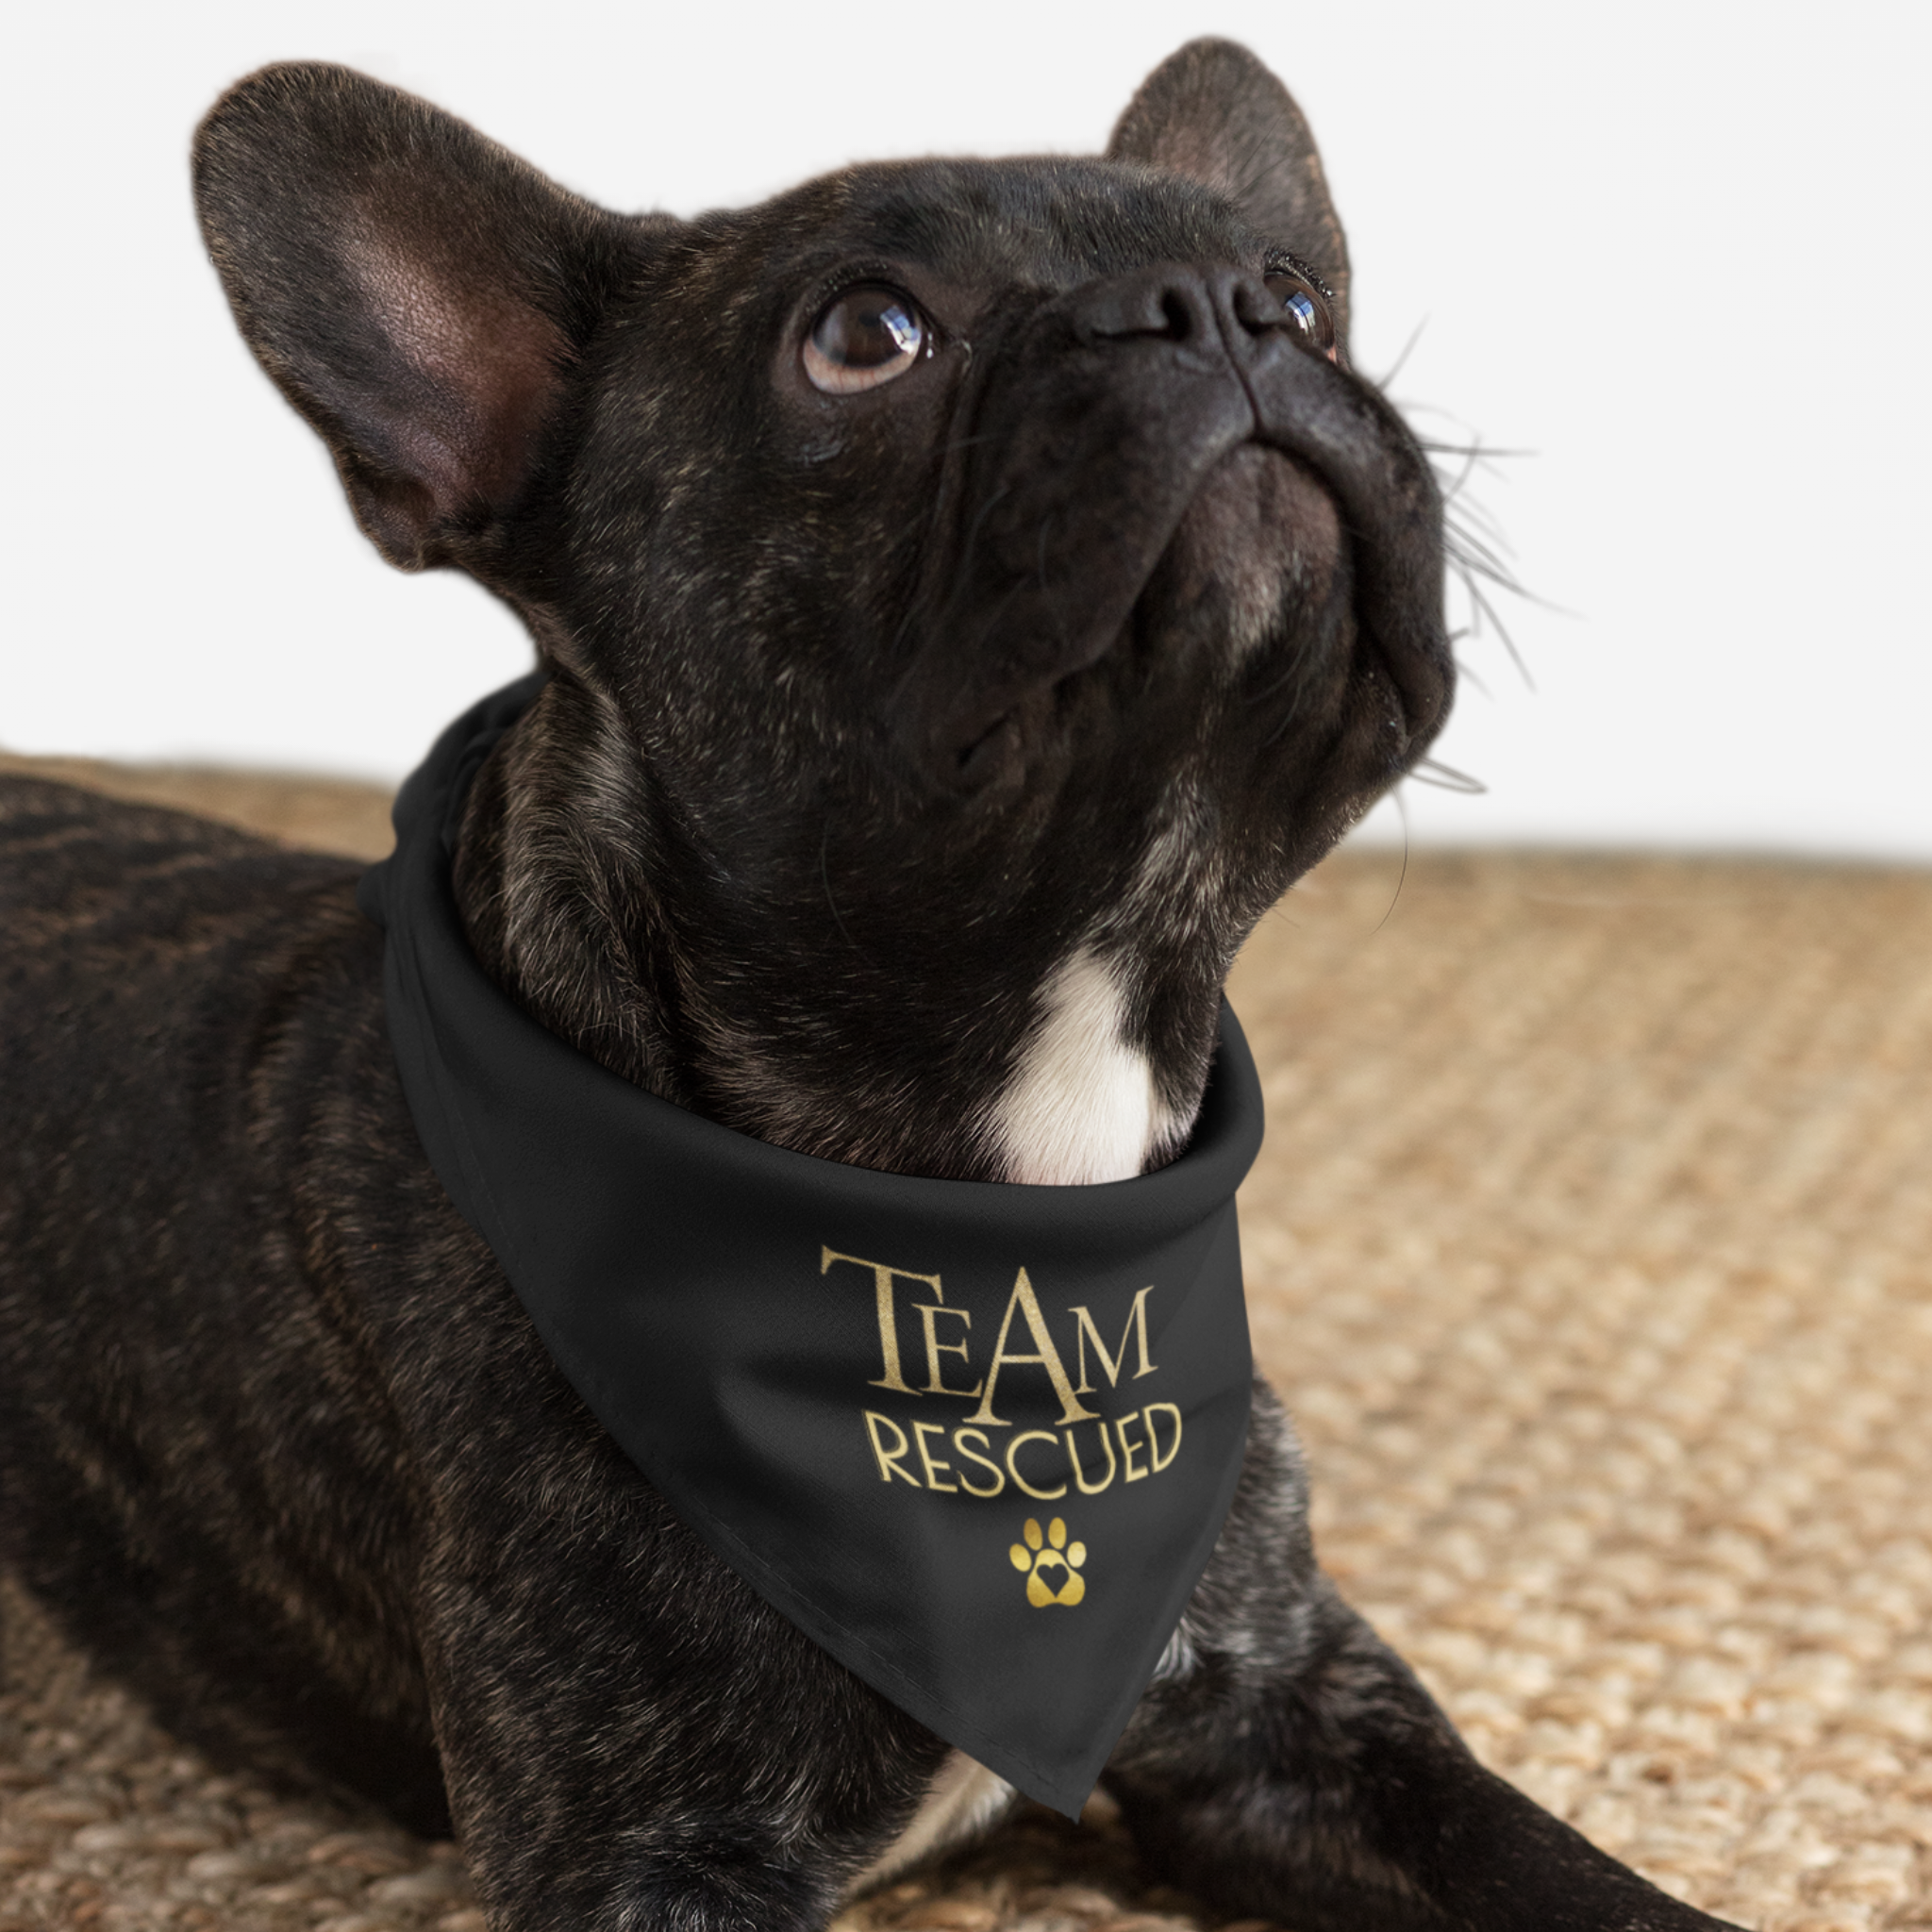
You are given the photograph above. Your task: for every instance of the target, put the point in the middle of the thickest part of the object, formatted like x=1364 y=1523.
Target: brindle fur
x=867 y=712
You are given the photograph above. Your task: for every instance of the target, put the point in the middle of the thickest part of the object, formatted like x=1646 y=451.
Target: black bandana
x=975 y=1439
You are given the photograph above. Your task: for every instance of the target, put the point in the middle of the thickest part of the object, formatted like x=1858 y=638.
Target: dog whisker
x=1432 y=771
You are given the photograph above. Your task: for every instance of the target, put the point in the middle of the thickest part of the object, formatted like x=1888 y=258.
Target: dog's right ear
x=415 y=290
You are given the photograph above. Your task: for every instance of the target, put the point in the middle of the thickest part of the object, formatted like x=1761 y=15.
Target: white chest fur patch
x=1080 y=1106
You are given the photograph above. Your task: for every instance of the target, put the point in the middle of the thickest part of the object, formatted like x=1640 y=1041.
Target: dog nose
x=1187 y=307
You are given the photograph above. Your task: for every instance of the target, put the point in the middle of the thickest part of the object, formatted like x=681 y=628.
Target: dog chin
x=1258 y=559
x=1258 y=563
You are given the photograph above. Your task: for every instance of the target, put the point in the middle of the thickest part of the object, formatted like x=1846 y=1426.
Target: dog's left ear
x=1214 y=113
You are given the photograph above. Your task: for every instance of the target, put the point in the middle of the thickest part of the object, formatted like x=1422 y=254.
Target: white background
x=1677 y=251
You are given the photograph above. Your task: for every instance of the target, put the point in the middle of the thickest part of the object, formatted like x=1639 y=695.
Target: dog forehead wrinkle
x=1081 y=1106
x=1049 y=224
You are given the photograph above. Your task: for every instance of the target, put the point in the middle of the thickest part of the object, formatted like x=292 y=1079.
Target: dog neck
x=567 y=880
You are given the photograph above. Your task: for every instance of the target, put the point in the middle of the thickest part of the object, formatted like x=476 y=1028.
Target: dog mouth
x=1260 y=579
x=1258 y=535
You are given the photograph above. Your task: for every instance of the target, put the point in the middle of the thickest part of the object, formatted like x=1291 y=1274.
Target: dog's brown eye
x=865 y=338
x=1306 y=309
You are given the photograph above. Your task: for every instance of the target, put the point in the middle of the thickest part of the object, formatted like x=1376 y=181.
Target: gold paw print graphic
x=1040 y=1553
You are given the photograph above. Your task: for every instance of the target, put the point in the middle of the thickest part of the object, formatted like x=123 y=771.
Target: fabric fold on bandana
x=976 y=1439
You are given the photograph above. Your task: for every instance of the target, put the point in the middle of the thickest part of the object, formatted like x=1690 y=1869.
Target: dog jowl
x=970 y=592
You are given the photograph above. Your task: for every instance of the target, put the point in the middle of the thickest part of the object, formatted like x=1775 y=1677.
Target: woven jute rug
x=1592 y=1247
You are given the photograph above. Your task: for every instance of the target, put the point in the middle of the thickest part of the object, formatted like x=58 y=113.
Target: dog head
x=973 y=590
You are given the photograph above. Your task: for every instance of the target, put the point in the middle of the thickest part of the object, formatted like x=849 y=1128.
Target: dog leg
x=631 y=1739
x=1287 y=1763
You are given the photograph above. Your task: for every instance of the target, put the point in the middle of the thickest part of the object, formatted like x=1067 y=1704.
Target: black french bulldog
x=973 y=591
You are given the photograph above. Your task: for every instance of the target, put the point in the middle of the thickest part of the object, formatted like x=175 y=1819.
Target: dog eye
x=865 y=338
x=1307 y=309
